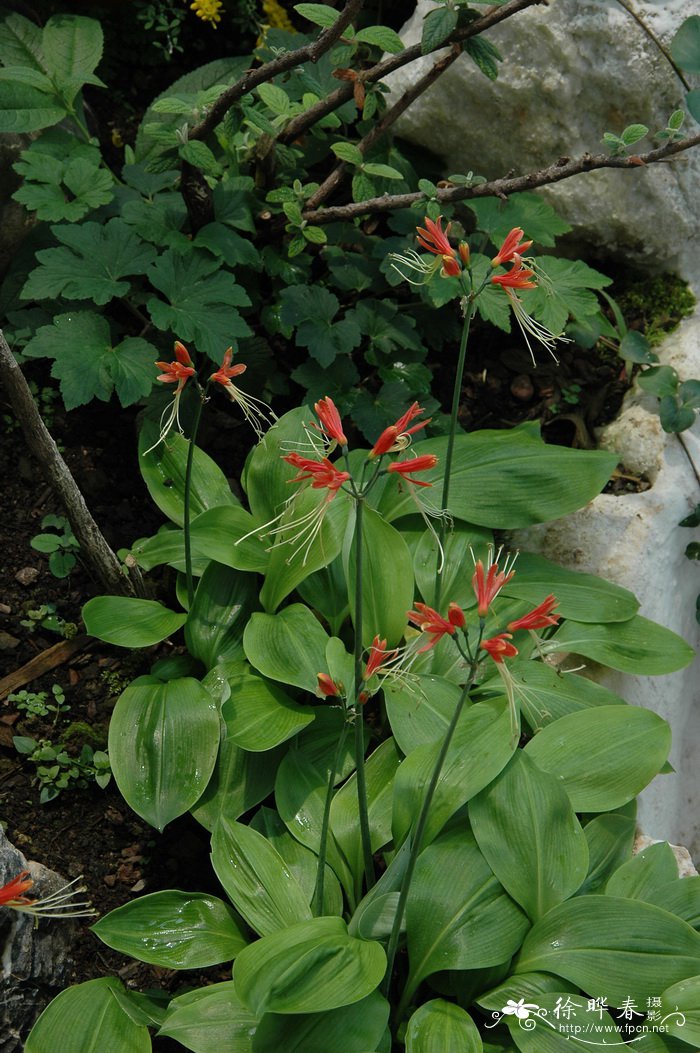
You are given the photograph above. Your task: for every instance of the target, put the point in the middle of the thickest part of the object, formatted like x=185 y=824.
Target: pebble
x=27 y=575
x=7 y=641
x=5 y=608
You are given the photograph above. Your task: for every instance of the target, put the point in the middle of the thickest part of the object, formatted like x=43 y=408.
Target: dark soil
x=91 y=831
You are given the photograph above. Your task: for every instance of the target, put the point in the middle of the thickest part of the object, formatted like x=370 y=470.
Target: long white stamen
x=257 y=413
x=530 y=325
x=169 y=416
x=413 y=262
x=59 y=904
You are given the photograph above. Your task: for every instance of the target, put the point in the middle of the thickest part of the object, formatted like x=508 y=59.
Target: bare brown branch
x=253 y=77
x=564 y=168
x=492 y=17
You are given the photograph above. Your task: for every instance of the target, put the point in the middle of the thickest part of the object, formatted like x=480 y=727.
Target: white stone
x=635 y=541
x=572 y=70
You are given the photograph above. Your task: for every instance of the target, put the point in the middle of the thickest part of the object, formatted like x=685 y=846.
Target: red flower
x=322 y=473
x=538 y=618
x=326 y=686
x=510 y=247
x=398 y=436
x=12 y=892
x=415 y=464
x=518 y=277
x=226 y=370
x=179 y=371
x=329 y=417
x=432 y=622
x=499 y=648
x=378 y=657
x=488 y=585
x=435 y=240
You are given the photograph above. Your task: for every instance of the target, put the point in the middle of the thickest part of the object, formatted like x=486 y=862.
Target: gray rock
x=35 y=962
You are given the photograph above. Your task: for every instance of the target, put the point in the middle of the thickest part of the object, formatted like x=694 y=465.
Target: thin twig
x=253 y=77
x=392 y=114
x=564 y=168
x=653 y=37
x=493 y=16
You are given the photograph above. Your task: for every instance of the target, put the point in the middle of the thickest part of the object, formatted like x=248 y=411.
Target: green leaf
x=480 y=927
x=382 y=37
x=259 y=715
x=583 y=751
x=528 y=210
x=545 y=694
x=363 y=188
x=685 y=46
x=420 y=710
x=309 y=967
x=689 y=393
x=645 y=874
x=634 y=347
x=202 y=301
x=442 y=1027
x=581 y=596
x=198 y=154
x=633 y=133
x=680 y=1008
x=239 y=782
x=61 y=564
x=526 y=828
x=176 y=930
x=223 y=603
x=62 y=178
x=659 y=381
x=163 y=742
x=636 y=646
x=510 y=479
x=485 y=54
x=163 y=470
x=128 y=622
x=381 y=171
x=587 y=940
x=565 y=290
x=20 y=43
x=26 y=109
x=348 y=152
x=692 y=101
x=387 y=576
x=103 y=1023
x=353 y=1029
x=289 y=647
x=210 y=1018
x=91 y=265
x=319 y=14
x=437 y=26
x=610 y=838
x=72 y=47
x=217 y=532
x=481 y=747
x=312 y=311
x=315 y=235
x=675 y=418
x=266 y=475
x=79 y=343
x=228 y=245
x=256 y=878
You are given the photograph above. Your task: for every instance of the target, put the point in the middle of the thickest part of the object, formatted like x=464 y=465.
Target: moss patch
x=656 y=305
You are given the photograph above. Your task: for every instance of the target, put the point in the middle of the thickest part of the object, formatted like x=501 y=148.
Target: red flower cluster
x=398 y=436
x=435 y=240
x=322 y=473
x=432 y=622
x=179 y=371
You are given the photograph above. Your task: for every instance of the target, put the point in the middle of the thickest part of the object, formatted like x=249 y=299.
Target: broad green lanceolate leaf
x=91 y=264
x=387 y=577
x=545 y=694
x=353 y=1028
x=566 y=1024
x=680 y=896
x=527 y=830
x=223 y=603
x=685 y=46
x=380 y=769
x=458 y=566
x=163 y=742
x=309 y=967
x=583 y=597
x=240 y=780
x=680 y=1005
x=103 y=1023
x=176 y=930
x=202 y=301
x=324 y=591
x=289 y=647
x=266 y=477
x=584 y=752
x=168 y=546
x=163 y=470
x=256 y=878
x=442 y=1027
x=210 y=1018
x=292 y=561
x=528 y=986
x=588 y=940
x=259 y=715
x=458 y=915
x=72 y=47
x=129 y=622
x=643 y=875
x=481 y=747
x=509 y=479
x=420 y=709
x=312 y=312
x=88 y=365
x=26 y=109
x=636 y=646
x=610 y=839
x=217 y=532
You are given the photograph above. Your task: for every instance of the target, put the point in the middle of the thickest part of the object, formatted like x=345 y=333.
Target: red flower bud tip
x=326 y=686
x=538 y=618
x=499 y=648
x=431 y=622
x=12 y=892
x=510 y=247
x=464 y=253
x=450 y=267
x=455 y=615
x=398 y=436
x=329 y=417
x=415 y=464
x=435 y=240
x=488 y=585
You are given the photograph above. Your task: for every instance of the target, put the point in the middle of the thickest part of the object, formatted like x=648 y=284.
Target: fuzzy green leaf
x=382 y=37
x=348 y=152
x=485 y=54
x=319 y=14
x=20 y=43
x=26 y=109
x=437 y=26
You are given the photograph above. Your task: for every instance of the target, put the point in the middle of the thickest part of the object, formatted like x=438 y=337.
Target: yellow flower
x=207 y=10
x=275 y=16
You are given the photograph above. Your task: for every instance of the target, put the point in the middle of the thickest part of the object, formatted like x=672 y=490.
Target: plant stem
x=456 y=393
x=418 y=836
x=317 y=899
x=359 y=715
x=188 y=486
